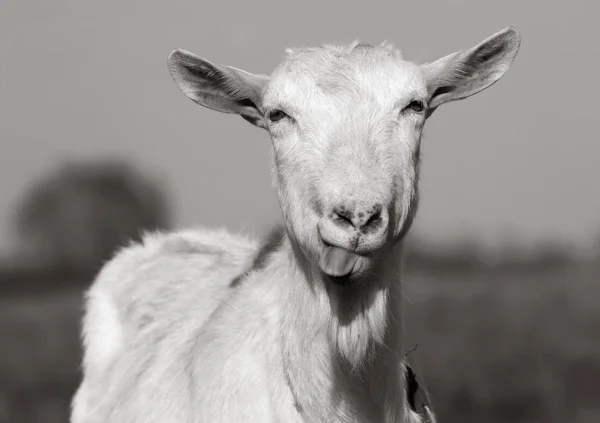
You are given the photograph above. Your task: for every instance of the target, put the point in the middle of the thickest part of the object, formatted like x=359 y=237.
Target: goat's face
x=345 y=124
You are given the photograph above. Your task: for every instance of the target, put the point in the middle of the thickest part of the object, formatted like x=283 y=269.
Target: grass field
x=509 y=346
x=494 y=346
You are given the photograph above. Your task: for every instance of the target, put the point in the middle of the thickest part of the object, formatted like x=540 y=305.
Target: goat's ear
x=218 y=87
x=464 y=73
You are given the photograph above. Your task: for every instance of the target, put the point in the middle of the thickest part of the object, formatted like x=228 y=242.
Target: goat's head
x=345 y=124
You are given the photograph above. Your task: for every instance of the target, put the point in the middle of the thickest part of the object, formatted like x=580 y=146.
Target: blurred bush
x=66 y=226
x=82 y=211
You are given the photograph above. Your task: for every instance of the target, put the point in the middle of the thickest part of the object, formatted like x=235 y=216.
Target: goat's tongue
x=337 y=261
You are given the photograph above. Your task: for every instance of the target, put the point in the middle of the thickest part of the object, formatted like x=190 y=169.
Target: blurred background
x=98 y=144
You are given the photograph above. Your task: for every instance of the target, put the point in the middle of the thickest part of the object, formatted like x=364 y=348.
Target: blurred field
x=494 y=346
x=508 y=346
x=39 y=356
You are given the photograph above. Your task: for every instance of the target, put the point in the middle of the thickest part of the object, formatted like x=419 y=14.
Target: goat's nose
x=365 y=219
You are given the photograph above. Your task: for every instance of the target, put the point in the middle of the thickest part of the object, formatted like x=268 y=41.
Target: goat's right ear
x=218 y=87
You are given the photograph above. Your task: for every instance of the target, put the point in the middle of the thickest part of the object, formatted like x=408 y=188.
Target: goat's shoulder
x=165 y=251
x=166 y=260
x=162 y=279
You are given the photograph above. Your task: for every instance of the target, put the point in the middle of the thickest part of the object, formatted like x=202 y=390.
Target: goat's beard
x=359 y=323
x=356 y=314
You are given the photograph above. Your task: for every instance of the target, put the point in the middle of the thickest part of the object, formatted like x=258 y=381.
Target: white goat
x=206 y=326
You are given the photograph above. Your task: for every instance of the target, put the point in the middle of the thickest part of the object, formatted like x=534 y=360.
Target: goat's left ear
x=464 y=73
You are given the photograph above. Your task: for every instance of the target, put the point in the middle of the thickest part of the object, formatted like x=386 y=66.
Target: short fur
x=207 y=326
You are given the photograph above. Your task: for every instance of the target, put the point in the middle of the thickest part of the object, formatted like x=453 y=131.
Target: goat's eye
x=416 y=106
x=276 y=115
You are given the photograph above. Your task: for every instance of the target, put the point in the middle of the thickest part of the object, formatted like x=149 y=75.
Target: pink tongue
x=337 y=261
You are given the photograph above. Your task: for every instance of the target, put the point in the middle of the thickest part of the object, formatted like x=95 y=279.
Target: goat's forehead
x=330 y=70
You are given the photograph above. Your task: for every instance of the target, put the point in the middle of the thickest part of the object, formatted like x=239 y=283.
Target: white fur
x=198 y=326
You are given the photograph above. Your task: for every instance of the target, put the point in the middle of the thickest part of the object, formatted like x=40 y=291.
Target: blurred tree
x=83 y=211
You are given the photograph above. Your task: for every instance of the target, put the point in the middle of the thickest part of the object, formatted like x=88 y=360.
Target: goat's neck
x=340 y=344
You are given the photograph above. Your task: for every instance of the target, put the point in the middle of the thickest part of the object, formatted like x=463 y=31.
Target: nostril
x=373 y=221
x=343 y=217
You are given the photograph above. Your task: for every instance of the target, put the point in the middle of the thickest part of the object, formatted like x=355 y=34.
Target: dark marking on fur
x=288 y=380
x=417 y=398
x=412 y=386
x=362 y=46
x=272 y=241
x=317 y=207
x=176 y=244
x=417 y=155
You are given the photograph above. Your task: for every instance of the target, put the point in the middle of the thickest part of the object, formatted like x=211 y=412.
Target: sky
x=517 y=162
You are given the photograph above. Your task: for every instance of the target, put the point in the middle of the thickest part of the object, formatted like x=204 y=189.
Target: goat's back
x=146 y=303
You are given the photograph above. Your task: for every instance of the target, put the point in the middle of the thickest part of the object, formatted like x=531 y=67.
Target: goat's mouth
x=338 y=262
x=342 y=266
x=345 y=261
